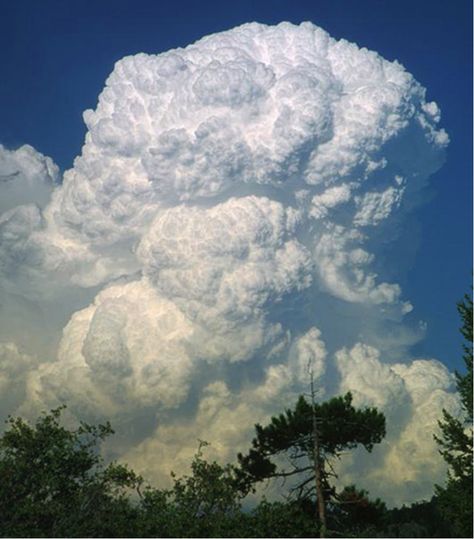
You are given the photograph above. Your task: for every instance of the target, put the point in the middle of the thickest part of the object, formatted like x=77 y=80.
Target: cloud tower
x=231 y=219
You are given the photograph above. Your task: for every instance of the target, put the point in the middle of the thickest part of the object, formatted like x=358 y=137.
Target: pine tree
x=455 y=498
x=311 y=435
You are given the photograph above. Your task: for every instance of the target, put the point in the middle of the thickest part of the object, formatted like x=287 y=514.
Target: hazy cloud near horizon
x=225 y=226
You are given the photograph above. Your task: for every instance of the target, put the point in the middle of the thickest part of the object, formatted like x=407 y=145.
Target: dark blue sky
x=56 y=55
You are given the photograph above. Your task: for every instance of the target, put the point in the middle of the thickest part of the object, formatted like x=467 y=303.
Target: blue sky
x=56 y=55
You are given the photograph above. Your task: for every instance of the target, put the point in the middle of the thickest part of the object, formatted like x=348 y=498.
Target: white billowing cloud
x=218 y=239
x=371 y=382
x=231 y=259
x=308 y=357
x=430 y=386
x=26 y=177
x=27 y=180
x=14 y=366
x=284 y=107
x=126 y=350
x=342 y=268
x=225 y=418
x=411 y=397
x=375 y=207
x=330 y=198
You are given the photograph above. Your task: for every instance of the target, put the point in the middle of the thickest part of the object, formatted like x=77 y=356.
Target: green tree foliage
x=53 y=482
x=341 y=427
x=355 y=514
x=290 y=437
x=420 y=519
x=455 y=498
x=292 y=518
x=205 y=503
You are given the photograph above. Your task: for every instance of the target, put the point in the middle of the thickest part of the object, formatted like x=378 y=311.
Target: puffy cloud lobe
x=283 y=106
x=232 y=258
x=332 y=197
x=128 y=349
x=375 y=207
x=26 y=177
x=372 y=382
x=227 y=194
x=14 y=366
x=27 y=180
x=308 y=357
x=412 y=397
x=16 y=228
x=341 y=266
x=226 y=418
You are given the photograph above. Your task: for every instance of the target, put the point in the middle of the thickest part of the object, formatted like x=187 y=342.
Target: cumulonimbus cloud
x=220 y=231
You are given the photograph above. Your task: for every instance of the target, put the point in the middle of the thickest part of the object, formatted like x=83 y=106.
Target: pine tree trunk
x=318 y=468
